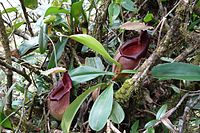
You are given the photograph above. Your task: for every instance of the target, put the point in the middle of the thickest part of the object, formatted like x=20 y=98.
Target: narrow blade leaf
x=134 y=127
x=59 y=49
x=161 y=112
x=101 y=109
x=117 y=114
x=55 y=10
x=150 y=124
x=43 y=39
x=95 y=45
x=73 y=108
x=180 y=71
x=86 y=73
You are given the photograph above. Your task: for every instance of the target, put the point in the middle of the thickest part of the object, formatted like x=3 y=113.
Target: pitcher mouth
x=135 y=48
x=62 y=88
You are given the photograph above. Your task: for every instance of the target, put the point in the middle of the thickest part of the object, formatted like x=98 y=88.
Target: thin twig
x=185 y=53
x=187 y=109
x=23 y=106
x=110 y=126
x=15 y=70
x=26 y=17
x=164 y=18
x=13 y=113
x=10 y=24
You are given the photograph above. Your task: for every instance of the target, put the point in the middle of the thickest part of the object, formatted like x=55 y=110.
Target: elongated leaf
x=95 y=45
x=9 y=10
x=43 y=39
x=150 y=124
x=53 y=70
x=176 y=89
x=59 y=50
x=5 y=122
x=73 y=108
x=76 y=9
x=95 y=62
x=168 y=124
x=28 y=45
x=180 y=71
x=101 y=109
x=55 y=10
x=161 y=112
x=129 y=71
x=32 y=4
x=129 y=5
x=117 y=114
x=17 y=25
x=86 y=73
x=113 y=11
x=135 y=26
x=134 y=127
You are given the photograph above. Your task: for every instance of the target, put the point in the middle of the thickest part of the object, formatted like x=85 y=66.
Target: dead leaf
x=53 y=70
x=168 y=124
x=135 y=26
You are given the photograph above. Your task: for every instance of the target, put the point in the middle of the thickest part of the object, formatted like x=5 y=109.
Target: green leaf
x=94 y=62
x=9 y=10
x=148 y=17
x=55 y=10
x=50 y=19
x=43 y=39
x=59 y=48
x=134 y=127
x=129 y=71
x=150 y=124
x=129 y=5
x=28 y=45
x=117 y=114
x=193 y=24
x=118 y=1
x=73 y=108
x=6 y=123
x=32 y=4
x=17 y=25
x=151 y=130
x=76 y=9
x=85 y=73
x=113 y=11
x=180 y=71
x=161 y=112
x=176 y=89
x=95 y=45
x=101 y=109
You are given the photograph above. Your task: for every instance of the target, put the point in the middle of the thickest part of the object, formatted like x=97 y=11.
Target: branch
x=18 y=32
x=15 y=70
x=31 y=68
x=26 y=18
x=5 y=42
x=186 y=112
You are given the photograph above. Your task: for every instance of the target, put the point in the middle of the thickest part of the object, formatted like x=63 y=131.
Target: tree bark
x=5 y=43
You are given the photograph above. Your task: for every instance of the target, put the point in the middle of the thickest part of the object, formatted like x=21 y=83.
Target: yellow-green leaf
x=95 y=45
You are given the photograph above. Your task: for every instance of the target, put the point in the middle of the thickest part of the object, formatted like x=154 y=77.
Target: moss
x=196 y=60
x=125 y=92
